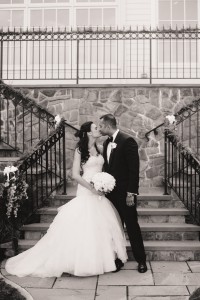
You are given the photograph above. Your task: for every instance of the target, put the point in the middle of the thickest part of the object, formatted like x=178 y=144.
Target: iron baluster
x=47 y=167
x=36 y=173
x=8 y=116
x=15 y=126
x=59 y=158
x=166 y=163
x=64 y=164
x=51 y=168
x=77 y=63
x=187 y=181
x=41 y=179
x=31 y=126
x=150 y=60
x=23 y=133
x=55 y=155
x=1 y=59
x=191 y=185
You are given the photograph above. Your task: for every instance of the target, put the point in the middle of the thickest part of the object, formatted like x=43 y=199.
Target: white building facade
x=147 y=58
x=101 y=13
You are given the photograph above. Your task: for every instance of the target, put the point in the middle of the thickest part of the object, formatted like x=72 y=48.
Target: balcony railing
x=107 y=56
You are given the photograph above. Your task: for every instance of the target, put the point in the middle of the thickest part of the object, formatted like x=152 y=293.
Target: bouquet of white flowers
x=103 y=182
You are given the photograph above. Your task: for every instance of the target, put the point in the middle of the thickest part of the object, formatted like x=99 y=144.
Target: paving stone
x=169 y=266
x=194 y=266
x=36 y=282
x=176 y=278
x=126 y=277
x=157 y=291
x=61 y=294
x=76 y=283
x=159 y=298
x=111 y=292
x=132 y=265
x=192 y=288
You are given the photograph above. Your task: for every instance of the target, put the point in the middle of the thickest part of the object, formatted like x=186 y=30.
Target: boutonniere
x=113 y=145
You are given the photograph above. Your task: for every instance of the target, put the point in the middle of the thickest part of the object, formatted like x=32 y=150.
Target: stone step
x=155 y=250
x=172 y=215
x=150 y=231
x=182 y=182
x=144 y=227
x=7 y=151
x=9 y=159
x=148 y=201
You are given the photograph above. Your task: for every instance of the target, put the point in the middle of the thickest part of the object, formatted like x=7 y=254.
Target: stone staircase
x=162 y=219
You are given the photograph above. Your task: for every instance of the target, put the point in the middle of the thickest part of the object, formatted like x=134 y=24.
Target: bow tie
x=110 y=139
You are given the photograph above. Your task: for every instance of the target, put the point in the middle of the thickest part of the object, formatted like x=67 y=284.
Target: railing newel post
x=1 y=60
x=165 y=164
x=64 y=164
x=150 y=58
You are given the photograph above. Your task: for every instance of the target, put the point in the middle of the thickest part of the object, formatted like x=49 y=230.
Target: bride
x=86 y=237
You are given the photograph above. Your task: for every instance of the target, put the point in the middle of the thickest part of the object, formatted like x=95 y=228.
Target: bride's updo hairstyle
x=82 y=144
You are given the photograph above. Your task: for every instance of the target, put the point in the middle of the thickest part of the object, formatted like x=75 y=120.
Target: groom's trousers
x=129 y=217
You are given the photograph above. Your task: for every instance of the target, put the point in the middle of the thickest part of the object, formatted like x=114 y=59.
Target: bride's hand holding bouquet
x=103 y=183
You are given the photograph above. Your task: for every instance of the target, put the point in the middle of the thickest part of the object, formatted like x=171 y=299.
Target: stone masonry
x=137 y=110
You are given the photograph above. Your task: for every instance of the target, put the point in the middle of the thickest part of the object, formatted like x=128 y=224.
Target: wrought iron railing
x=45 y=168
x=120 y=56
x=182 y=174
x=188 y=127
x=182 y=157
x=45 y=171
x=23 y=122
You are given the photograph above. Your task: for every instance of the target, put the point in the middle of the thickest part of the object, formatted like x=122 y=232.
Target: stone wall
x=137 y=110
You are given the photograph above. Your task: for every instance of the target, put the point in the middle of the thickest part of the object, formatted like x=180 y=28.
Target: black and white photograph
x=99 y=149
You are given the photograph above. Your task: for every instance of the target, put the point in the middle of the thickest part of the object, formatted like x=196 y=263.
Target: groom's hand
x=131 y=199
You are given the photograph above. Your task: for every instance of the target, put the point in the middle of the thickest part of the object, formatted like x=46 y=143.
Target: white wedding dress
x=84 y=239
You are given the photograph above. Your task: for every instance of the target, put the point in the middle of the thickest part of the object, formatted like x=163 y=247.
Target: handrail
x=44 y=170
x=19 y=98
x=179 y=114
x=36 y=130
x=45 y=167
x=182 y=174
x=81 y=32
x=80 y=43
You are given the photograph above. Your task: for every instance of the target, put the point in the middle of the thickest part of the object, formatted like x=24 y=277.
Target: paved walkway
x=162 y=281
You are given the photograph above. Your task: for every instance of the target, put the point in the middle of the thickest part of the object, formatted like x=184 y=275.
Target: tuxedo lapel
x=105 y=151
x=113 y=151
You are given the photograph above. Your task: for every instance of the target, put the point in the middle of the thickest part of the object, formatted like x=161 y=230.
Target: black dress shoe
x=119 y=264
x=142 y=267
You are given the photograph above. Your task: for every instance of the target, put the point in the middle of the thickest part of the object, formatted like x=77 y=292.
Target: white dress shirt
x=109 y=145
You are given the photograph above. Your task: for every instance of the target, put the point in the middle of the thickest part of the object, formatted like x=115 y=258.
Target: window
x=178 y=13
x=177 y=56
x=11 y=1
x=11 y=18
x=49 y=1
x=93 y=17
x=84 y=1
x=49 y=18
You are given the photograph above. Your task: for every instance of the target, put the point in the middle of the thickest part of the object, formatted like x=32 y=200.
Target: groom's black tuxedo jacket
x=123 y=164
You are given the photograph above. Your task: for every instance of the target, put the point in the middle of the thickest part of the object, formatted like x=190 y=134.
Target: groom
x=122 y=161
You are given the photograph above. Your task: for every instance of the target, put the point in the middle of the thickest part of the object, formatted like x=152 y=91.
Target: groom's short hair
x=109 y=119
